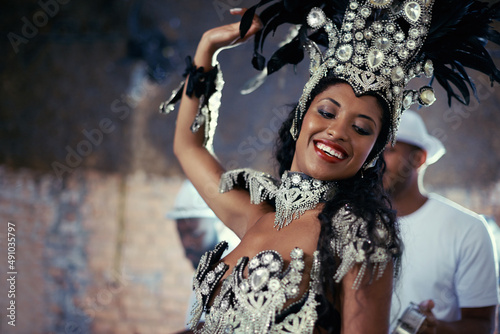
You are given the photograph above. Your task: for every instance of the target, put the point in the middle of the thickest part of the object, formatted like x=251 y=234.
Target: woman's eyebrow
x=367 y=117
x=332 y=100
x=359 y=115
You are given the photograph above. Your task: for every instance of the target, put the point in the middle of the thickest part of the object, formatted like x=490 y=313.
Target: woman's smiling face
x=338 y=133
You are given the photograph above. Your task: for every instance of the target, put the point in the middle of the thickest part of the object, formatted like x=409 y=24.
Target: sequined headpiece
x=378 y=46
x=373 y=56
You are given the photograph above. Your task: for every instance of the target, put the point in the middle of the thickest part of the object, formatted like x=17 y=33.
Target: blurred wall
x=87 y=171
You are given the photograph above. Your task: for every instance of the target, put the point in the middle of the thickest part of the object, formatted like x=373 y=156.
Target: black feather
x=258 y=61
x=456 y=65
x=458 y=34
x=459 y=30
x=246 y=21
x=290 y=53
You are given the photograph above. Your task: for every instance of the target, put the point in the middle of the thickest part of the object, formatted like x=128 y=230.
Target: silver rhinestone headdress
x=373 y=55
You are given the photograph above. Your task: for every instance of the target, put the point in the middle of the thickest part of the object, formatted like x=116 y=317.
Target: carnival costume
x=377 y=47
x=256 y=304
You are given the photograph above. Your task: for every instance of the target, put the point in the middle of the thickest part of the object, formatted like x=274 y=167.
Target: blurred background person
x=199 y=229
x=449 y=262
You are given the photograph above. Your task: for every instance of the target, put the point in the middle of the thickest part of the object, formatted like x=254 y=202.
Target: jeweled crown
x=373 y=55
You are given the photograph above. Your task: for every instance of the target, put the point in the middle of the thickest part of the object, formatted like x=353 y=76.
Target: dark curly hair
x=363 y=193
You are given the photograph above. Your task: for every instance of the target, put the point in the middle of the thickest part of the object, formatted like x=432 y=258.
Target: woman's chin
x=325 y=171
x=323 y=175
x=330 y=174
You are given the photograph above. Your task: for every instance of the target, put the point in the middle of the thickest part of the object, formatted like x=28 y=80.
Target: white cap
x=412 y=131
x=189 y=204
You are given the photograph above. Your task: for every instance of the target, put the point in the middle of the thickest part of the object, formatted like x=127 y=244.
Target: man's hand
x=474 y=320
x=430 y=324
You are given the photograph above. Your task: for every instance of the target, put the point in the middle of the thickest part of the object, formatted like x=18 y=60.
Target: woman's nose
x=338 y=129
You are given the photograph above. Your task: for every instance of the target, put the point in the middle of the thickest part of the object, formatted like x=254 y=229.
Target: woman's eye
x=361 y=131
x=326 y=114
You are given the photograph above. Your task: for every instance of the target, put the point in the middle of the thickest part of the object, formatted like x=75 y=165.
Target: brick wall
x=95 y=254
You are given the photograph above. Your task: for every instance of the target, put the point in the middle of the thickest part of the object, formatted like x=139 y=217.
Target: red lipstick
x=329 y=151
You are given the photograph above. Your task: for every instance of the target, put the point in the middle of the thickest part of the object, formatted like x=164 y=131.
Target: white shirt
x=449 y=256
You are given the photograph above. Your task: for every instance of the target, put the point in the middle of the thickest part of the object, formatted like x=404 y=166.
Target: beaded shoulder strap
x=353 y=245
x=261 y=186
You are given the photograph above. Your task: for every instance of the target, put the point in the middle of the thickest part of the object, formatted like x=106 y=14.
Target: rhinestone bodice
x=260 y=302
x=256 y=302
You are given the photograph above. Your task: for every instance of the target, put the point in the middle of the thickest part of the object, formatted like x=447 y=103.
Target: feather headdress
x=379 y=45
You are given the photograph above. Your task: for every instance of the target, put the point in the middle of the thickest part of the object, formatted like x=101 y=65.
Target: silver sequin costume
x=256 y=303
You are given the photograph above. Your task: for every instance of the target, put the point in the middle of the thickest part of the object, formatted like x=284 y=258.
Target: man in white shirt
x=449 y=261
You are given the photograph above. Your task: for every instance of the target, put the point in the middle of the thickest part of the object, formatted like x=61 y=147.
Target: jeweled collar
x=298 y=193
x=294 y=194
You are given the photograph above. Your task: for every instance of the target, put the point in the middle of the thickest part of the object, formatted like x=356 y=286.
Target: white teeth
x=329 y=150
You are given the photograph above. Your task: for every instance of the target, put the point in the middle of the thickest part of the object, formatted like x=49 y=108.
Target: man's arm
x=477 y=320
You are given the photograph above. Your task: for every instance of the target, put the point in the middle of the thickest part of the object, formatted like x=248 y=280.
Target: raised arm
x=199 y=165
